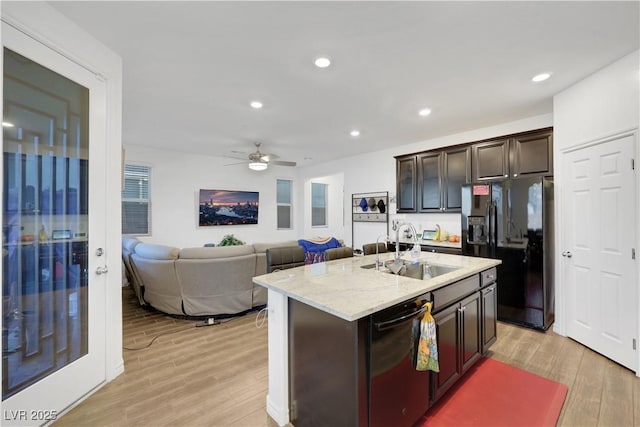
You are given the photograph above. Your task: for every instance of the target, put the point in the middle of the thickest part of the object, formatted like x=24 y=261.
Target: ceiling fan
x=260 y=161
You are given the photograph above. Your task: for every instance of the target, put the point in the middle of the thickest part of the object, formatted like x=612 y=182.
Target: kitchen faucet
x=386 y=239
x=396 y=226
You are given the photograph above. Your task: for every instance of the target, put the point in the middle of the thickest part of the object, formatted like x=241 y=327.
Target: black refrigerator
x=512 y=220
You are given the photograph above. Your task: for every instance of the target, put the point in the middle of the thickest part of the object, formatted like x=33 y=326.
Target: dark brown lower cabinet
x=447 y=327
x=489 y=316
x=471 y=346
x=459 y=342
x=465 y=326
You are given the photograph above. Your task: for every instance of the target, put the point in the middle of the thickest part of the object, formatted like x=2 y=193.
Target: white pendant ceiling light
x=258 y=166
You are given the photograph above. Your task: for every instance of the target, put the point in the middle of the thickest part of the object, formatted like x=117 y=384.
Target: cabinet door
x=406 y=184
x=447 y=327
x=490 y=160
x=456 y=172
x=532 y=154
x=430 y=173
x=470 y=344
x=489 y=317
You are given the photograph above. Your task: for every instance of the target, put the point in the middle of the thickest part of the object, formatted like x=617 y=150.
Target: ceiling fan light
x=258 y=166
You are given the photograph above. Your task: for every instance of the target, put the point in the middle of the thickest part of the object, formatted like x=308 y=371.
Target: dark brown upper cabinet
x=440 y=176
x=527 y=154
x=406 y=183
x=430 y=180
x=490 y=160
x=457 y=171
x=532 y=154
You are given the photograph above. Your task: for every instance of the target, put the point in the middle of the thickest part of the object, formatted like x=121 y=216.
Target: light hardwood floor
x=217 y=375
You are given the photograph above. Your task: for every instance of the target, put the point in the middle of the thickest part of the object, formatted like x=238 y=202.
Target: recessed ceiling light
x=541 y=77
x=256 y=104
x=354 y=132
x=7 y=124
x=322 y=62
x=424 y=112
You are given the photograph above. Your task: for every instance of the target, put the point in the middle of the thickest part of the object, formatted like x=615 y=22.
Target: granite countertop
x=344 y=289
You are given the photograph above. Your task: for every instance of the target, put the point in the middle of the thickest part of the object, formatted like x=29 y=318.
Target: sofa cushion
x=153 y=251
x=215 y=252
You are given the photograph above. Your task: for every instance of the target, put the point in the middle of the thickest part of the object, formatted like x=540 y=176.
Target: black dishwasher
x=399 y=395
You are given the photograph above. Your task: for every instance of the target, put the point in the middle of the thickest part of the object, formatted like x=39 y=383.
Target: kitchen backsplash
x=449 y=222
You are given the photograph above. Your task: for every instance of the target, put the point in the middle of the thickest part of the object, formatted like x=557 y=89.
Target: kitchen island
x=322 y=314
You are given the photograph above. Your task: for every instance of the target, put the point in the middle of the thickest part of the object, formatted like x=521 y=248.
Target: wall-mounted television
x=227 y=207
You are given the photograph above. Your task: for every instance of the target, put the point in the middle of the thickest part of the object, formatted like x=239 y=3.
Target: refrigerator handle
x=494 y=226
x=487 y=218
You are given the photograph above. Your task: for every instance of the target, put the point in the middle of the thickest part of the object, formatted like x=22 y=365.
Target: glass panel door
x=44 y=220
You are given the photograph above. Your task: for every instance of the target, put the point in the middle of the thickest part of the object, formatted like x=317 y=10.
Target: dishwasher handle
x=388 y=324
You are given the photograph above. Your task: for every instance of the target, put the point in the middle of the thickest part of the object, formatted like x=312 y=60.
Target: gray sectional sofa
x=199 y=281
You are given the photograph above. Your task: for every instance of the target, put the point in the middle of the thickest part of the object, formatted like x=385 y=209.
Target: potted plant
x=230 y=240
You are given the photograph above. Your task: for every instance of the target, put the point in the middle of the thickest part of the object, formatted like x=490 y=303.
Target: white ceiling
x=191 y=68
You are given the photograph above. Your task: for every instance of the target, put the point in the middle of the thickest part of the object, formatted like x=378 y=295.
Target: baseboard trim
x=279 y=415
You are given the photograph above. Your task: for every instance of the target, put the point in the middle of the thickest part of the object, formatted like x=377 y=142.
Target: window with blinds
x=136 y=205
x=284 y=204
x=319 y=204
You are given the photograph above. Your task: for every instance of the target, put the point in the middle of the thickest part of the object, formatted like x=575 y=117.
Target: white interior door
x=598 y=266
x=53 y=210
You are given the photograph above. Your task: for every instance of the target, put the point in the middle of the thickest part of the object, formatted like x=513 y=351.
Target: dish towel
x=427 y=359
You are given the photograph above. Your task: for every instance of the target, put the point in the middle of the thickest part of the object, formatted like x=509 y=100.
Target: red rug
x=495 y=394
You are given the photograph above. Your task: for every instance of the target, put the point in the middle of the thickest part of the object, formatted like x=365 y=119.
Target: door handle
x=567 y=254
x=102 y=270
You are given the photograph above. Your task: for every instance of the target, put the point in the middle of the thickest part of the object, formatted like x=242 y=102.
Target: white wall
x=604 y=104
x=176 y=179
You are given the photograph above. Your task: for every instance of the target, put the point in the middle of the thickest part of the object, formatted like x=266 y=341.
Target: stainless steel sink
x=414 y=270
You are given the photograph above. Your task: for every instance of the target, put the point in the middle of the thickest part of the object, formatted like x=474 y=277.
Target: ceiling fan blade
x=231 y=156
x=282 y=163
x=238 y=163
